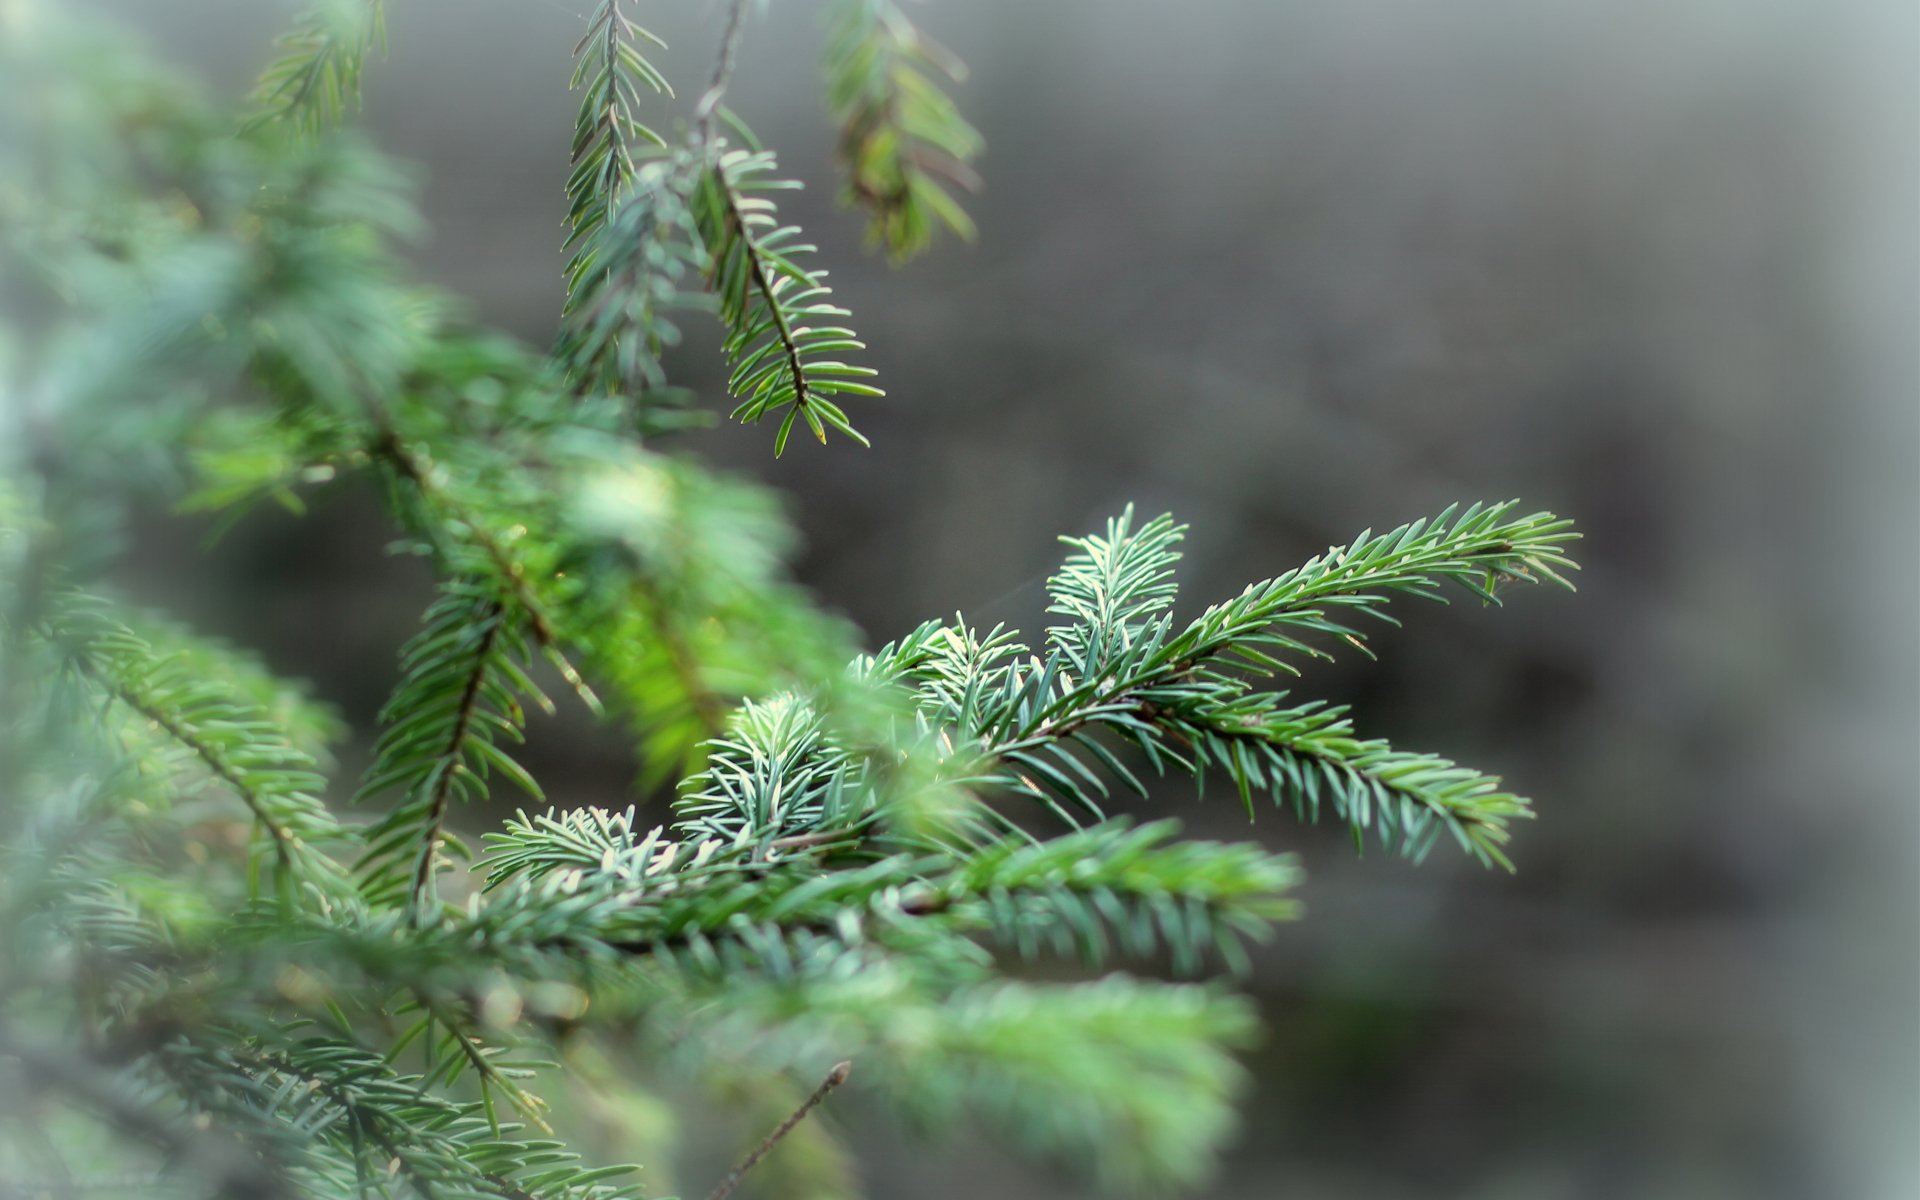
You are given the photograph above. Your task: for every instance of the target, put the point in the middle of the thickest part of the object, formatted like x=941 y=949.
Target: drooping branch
x=768 y=302
x=903 y=143
x=316 y=76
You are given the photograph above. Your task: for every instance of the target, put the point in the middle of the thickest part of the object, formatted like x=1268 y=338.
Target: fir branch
x=589 y=882
x=1110 y=586
x=625 y=277
x=665 y=679
x=593 y=839
x=903 y=143
x=1308 y=752
x=1478 y=548
x=1138 y=887
x=610 y=67
x=460 y=1050
x=706 y=705
x=316 y=76
x=767 y=300
x=775 y=773
x=395 y=1133
x=198 y=697
x=421 y=475
x=440 y=742
x=1183 y=699
x=831 y=882
x=684 y=573
x=448 y=517
x=1131 y=1079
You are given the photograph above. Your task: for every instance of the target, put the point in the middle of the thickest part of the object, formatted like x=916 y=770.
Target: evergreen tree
x=220 y=981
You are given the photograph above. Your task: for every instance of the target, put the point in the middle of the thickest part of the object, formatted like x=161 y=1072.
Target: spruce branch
x=609 y=71
x=458 y=698
x=767 y=299
x=316 y=76
x=903 y=143
x=210 y=704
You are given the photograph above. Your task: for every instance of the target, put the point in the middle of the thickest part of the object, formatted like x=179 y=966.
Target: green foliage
x=628 y=275
x=231 y=722
x=627 y=237
x=768 y=300
x=903 y=142
x=218 y=982
x=459 y=697
x=316 y=77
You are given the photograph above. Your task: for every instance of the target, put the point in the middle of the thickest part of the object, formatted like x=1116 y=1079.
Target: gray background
x=1292 y=270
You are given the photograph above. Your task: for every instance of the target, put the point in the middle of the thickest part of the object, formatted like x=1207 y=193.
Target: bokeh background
x=1295 y=269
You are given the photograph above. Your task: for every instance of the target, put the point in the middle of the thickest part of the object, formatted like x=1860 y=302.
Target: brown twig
x=708 y=111
x=834 y=1079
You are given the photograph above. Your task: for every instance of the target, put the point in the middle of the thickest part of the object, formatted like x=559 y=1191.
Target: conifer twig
x=432 y=837
x=834 y=1079
x=708 y=111
x=389 y=446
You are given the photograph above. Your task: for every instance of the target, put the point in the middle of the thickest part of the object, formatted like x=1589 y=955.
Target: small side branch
x=213 y=760
x=389 y=447
x=708 y=112
x=452 y=756
x=834 y=1079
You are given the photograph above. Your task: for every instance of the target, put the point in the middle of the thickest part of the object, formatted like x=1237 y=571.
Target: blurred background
x=1291 y=270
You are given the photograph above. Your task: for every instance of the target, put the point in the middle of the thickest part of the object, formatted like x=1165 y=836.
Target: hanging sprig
x=629 y=236
x=783 y=330
x=627 y=275
x=638 y=228
x=903 y=143
x=316 y=76
x=609 y=72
